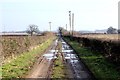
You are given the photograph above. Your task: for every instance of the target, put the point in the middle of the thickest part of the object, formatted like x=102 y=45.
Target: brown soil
x=40 y=67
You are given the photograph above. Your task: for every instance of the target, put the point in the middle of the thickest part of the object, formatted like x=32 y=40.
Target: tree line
x=112 y=30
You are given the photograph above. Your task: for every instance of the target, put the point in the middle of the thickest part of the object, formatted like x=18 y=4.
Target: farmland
x=97 y=55
x=22 y=49
x=113 y=37
x=12 y=46
x=107 y=44
x=15 y=69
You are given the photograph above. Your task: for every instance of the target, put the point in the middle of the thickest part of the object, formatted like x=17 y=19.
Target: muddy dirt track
x=44 y=65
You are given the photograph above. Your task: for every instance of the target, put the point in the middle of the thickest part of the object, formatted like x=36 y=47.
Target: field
x=15 y=69
x=107 y=44
x=12 y=46
x=21 y=49
x=113 y=37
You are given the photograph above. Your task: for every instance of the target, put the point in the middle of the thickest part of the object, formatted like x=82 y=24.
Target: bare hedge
x=15 y=45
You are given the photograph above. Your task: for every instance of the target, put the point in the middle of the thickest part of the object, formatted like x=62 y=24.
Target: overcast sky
x=16 y=15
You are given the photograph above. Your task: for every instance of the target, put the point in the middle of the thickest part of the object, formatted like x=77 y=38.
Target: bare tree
x=32 y=29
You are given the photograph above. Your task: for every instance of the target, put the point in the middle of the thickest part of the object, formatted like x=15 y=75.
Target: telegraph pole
x=70 y=21
x=50 y=25
x=66 y=26
x=72 y=24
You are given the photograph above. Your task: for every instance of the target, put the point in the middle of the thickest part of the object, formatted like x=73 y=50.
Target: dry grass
x=113 y=37
x=18 y=67
x=13 y=46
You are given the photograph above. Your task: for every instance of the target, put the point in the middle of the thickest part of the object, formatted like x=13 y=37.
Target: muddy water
x=72 y=59
x=51 y=53
x=42 y=70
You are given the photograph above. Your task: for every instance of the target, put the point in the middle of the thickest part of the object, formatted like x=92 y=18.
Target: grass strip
x=18 y=67
x=59 y=67
x=101 y=69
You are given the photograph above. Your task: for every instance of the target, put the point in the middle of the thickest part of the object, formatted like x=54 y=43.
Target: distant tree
x=118 y=31
x=32 y=29
x=62 y=30
x=111 y=30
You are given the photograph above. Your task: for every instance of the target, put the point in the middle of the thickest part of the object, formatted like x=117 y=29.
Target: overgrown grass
x=19 y=66
x=101 y=69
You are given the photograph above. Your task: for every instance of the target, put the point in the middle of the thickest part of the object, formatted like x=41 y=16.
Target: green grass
x=19 y=66
x=58 y=70
x=101 y=69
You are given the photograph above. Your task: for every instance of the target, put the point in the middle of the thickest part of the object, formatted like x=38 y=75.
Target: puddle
x=71 y=58
x=65 y=46
x=50 y=56
x=63 y=42
x=74 y=61
x=56 y=41
x=68 y=51
x=53 y=51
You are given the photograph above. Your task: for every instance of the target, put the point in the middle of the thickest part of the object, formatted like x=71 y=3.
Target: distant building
x=101 y=31
x=16 y=34
x=13 y=34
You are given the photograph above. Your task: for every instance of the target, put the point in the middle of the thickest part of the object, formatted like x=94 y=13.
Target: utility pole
x=50 y=25
x=70 y=21
x=72 y=24
x=66 y=26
